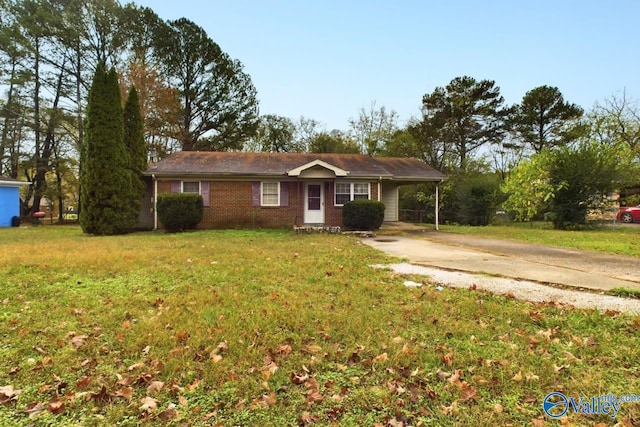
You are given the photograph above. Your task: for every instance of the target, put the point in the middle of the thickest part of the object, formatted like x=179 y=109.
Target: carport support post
x=437 y=207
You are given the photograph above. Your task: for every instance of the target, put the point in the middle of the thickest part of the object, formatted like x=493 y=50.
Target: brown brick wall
x=231 y=206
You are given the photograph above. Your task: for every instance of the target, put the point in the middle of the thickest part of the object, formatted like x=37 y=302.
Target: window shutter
x=255 y=193
x=284 y=194
x=176 y=186
x=204 y=192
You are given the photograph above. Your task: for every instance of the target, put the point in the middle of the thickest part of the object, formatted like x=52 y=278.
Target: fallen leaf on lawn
x=314 y=396
x=101 y=396
x=56 y=406
x=40 y=350
x=517 y=377
x=268 y=399
x=148 y=404
x=155 y=387
x=443 y=375
x=182 y=401
x=498 y=408
x=298 y=378
x=79 y=340
x=447 y=359
x=83 y=382
x=397 y=340
x=451 y=410
x=135 y=366
x=34 y=408
x=284 y=350
x=537 y=422
x=8 y=394
x=126 y=392
x=313 y=348
x=169 y=413
x=468 y=392
x=193 y=385
x=557 y=369
x=216 y=357
x=145 y=351
x=381 y=358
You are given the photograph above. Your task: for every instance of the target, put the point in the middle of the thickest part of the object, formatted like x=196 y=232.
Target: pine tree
x=137 y=148
x=106 y=177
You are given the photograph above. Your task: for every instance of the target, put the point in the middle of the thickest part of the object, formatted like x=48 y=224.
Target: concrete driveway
x=522 y=261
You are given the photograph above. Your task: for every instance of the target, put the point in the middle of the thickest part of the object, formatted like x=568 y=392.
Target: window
x=347 y=191
x=191 y=187
x=270 y=194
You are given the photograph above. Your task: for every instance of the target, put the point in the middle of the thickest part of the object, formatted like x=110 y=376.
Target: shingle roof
x=211 y=163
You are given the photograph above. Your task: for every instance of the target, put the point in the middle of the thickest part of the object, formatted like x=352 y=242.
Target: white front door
x=314 y=203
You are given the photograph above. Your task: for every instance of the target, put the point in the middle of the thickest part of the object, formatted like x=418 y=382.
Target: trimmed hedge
x=179 y=212
x=363 y=214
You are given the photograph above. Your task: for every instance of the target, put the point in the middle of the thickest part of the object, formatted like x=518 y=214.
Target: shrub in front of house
x=363 y=214
x=179 y=212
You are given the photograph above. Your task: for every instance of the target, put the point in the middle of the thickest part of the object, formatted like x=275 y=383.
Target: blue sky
x=326 y=60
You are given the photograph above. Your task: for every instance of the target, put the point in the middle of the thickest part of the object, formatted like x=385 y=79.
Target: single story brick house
x=241 y=189
x=9 y=200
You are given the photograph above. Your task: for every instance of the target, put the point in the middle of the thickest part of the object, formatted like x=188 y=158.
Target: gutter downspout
x=379 y=188
x=155 y=202
x=437 y=205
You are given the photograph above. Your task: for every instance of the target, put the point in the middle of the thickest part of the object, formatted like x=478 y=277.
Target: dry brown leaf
x=78 y=340
x=447 y=359
x=148 y=404
x=34 y=408
x=284 y=350
x=83 y=383
x=56 y=406
x=498 y=408
x=126 y=392
x=8 y=394
x=314 y=348
x=517 y=377
x=314 y=396
x=298 y=378
x=468 y=392
x=169 y=413
x=182 y=401
x=381 y=358
x=155 y=387
x=215 y=358
x=135 y=366
x=268 y=400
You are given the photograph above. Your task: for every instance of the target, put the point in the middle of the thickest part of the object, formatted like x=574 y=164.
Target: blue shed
x=9 y=199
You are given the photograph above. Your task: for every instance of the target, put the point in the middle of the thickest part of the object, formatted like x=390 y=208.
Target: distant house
x=9 y=200
x=242 y=189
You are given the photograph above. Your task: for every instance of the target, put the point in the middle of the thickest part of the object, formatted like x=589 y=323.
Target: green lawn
x=622 y=239
x=269 y=328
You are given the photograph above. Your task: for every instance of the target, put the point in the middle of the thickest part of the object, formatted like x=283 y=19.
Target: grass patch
x=272 y=328
x=625 y=292
x=621 y=240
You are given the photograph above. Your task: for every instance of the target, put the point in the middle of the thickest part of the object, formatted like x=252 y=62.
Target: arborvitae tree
x=137 y=148
x=106 y=177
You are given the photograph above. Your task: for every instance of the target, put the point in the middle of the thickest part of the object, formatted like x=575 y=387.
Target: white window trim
x=262 y=203
x=182 y=187
x=351 y=191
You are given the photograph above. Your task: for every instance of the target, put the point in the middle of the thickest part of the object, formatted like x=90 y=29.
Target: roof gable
x=307 y=169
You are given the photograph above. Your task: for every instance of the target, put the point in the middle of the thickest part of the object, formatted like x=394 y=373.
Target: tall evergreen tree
x=137 y=148
x=106 y=177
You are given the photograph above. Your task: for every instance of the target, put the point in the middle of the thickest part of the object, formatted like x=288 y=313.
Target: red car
x=629 y=215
